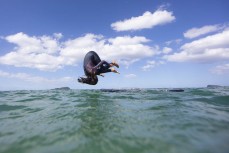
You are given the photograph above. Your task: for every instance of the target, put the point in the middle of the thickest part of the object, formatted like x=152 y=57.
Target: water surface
x=126 y=121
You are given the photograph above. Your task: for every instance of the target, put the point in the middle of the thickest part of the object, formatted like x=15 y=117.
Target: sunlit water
x=126 y=121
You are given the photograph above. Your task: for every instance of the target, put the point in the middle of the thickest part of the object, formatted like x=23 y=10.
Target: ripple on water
x=5 y=107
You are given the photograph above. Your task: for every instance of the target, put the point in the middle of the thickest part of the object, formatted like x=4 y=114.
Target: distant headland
x=61 y=88
x=214 y=86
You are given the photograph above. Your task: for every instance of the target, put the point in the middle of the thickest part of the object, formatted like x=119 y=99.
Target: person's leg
x=94 y=66
x=92 y=63
x=95 y=59
x=101 y=67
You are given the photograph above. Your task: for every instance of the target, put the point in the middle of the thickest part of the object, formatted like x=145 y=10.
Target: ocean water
x=119 y=121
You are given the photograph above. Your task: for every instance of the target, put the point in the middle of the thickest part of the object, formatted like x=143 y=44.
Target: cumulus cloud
x=74 y=50
x=145 y=21
x=151 y=64
x=48 y=53
x=34 y=52
x=26 y=44
x=34 y=79
x=167 y=50
x=212 y=48
x=221 y=69
x=126 y=49
x=196 y=32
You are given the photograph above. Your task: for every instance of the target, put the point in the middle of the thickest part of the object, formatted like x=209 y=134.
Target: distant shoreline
x=121 y=89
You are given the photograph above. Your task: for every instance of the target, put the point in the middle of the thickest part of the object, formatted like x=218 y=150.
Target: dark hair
x=88 y=80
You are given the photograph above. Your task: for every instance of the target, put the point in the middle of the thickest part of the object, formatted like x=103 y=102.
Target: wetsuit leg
x=93 y=64
x=105 y=68
x=96 y=59
x=91 y=59
x=102 y=67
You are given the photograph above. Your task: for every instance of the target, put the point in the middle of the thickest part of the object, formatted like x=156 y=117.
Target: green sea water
x=121 y=121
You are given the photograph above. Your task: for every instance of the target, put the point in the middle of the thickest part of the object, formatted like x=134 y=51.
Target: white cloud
x=212 y=48
x=26 y=44
x=151 y=64
x=58 y=35
x=119 y=47
x=74 y=50
x=129 y=47
x=34 y=79
x=34 y=52
x=128 y=62
x=47 y=53
x=130 y=76
x=167 y=50
x=145 y=21
x=176 y=41
x=40 y=61
x=126 y=49
x=221 y=69
x=196 y=32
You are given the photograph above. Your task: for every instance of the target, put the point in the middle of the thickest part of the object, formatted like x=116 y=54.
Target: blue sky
x=158 y=44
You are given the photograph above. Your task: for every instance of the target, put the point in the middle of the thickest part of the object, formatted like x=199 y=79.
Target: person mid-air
x=94 y=66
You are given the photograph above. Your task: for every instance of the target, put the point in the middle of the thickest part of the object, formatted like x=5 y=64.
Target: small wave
x=9 y=107
x=202 y=92
x=220 y=100
x=33 y=110
x=29 y=99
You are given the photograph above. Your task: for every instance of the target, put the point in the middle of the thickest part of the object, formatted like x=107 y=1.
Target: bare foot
x=114 y=63
x=113 y=70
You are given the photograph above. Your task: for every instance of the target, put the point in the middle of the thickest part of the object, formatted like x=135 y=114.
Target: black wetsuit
x=93 y=66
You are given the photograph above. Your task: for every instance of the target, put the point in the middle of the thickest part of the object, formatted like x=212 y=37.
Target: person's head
x=89 y=80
